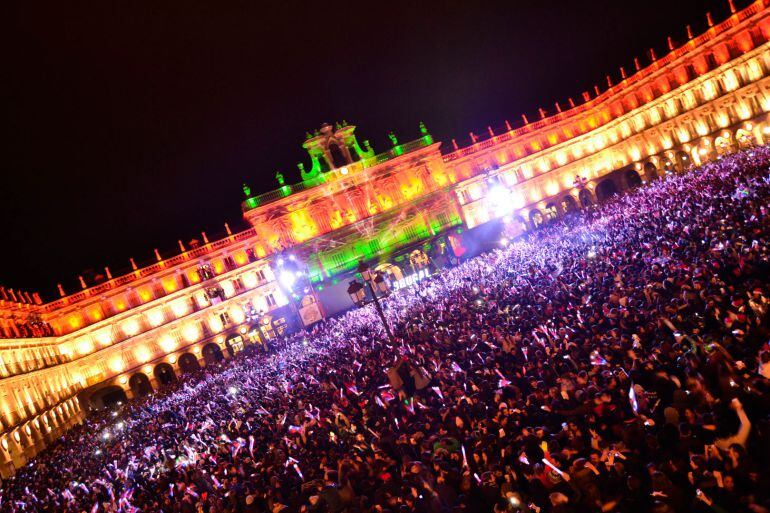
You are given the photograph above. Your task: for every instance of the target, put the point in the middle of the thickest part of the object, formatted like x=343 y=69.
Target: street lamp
x=357 y=293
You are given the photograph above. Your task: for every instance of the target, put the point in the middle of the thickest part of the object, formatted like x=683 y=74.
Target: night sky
x=129 y=125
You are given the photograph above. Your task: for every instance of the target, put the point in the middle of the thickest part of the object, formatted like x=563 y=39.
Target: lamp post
x=376 y=282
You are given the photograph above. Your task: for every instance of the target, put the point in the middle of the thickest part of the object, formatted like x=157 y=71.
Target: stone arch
x=605 y=190
x=108 y=396
x=164 y=373
x=234 y=344
x=651 y=171
x=744 y=138
x=551 y=211
x=723 y=144
x=633 y=179
x=188 y=363
x=568 y=204
x=336 y=155
x=212 y=353
x=140 y=384
x=669 y=166
x=586 y=198
x=683 y=160
x=536 y=218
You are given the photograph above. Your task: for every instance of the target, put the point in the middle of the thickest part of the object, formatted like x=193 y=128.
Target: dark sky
x=130 y=125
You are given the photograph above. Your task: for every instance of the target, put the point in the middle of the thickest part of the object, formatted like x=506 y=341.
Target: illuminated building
x=129 y=334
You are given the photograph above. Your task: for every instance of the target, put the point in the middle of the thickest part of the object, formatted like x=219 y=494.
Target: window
x=271 y=300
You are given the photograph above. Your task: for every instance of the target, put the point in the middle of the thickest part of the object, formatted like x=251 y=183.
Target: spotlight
x=232 y=390
x=287 y=279
x=499 y=198
x=503 y=241
x=106 y=435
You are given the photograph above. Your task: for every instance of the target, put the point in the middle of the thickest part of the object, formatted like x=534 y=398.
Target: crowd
x=612 y=361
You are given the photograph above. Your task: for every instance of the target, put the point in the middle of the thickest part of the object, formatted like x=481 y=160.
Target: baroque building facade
x=131 y=334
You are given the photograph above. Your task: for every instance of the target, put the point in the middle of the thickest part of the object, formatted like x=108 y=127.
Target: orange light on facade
x=302 y=225
x=237 y=315
x=181 y=307
x=155 y=317
x=104 y=336
x=743 y=110
x=131 y=327
x=145 y=294
x=170 y=284
x=227 y=287
x=249 y=280
x=143 y=354
x=116 y=364
x=74 y=321
x=84 y=346
x=191 y=333
x=215 y=324
x=386 y=202
x=167 y=344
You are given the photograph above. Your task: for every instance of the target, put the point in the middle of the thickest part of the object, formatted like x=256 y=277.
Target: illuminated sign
x=411 y=279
